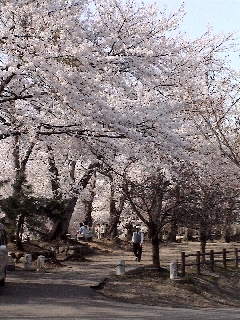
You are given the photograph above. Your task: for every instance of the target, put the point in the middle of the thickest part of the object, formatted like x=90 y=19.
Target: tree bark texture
x=155 y=252
x=115 y=210
x=60 y=227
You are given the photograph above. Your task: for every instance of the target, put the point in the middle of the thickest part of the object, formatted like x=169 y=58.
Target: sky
x=222 y=15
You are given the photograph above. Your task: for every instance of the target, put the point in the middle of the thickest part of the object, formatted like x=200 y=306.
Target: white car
x=3 y=255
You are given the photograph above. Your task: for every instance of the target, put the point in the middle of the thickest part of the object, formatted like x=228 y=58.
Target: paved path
x=66 y=294
x=59 y=295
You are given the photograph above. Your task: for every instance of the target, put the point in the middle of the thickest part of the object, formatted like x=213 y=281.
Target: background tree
x=60 y=228
x=149 y=199
x=206 y=194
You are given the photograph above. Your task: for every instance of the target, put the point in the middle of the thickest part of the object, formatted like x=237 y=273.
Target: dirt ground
x=149 y=287
x=145 y=285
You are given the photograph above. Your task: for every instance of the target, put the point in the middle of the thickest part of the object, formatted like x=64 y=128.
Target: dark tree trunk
x=203 y=243
x=20 y=223
x=20 y=178
x=56 y=188
x=226 y=228
x=88 y=203
x=174 y=231
x=113 y=223
x=114 y=218
x=130 y=230
x=115 y=208
x=175 y=217
x=155 y=252
x=115 y=214
x=226 y=233
x=60 y=228
x=88 y=211
x=189 y=233
x=204 y=234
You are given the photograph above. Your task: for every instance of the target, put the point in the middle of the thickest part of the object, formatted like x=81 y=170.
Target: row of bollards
x=120 y=269
x=27 y=262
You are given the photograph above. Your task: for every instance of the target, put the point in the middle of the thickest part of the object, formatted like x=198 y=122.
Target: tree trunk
x=116 y=208
x=88 y=211
x=155 y=252
x=20 y=223
x=113 y=212
x=54 y=175
x=226 y=228
x=113 y=223
x=130 y=230
x=175 y=217
x=60 y=228
x=203 y=243
x=189 y=233
x=174 y=231
x=204 y=232
x=226 y=233
x=20 y=178
x=88 y=203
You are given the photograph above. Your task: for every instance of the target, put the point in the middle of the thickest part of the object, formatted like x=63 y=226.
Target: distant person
x=98 y=231
x=103 y=230
x=85 y=231
x=81 y=232
x=82 y=228
x=137 y=240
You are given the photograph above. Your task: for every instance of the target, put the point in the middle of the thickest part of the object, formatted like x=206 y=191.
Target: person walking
x=137 y=240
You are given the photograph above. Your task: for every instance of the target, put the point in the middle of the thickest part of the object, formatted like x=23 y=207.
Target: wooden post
x=224 y=258
x=198 y=256
x=183 y=264
x=236 y=257
x=212 y=260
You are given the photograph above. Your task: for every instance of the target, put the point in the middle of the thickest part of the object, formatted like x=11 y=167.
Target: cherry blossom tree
x=213 y=106
x=210 y=195
x=97 y=76
x=114 y=76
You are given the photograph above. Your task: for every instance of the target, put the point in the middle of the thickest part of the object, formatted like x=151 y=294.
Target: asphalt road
x=66 y=295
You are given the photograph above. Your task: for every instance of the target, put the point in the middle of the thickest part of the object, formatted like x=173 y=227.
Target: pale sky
x=221 y=15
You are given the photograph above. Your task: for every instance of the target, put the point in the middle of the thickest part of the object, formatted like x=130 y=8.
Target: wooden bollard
x=236 y=257
x=224 y=258
x=183 y=264
x=212 y=260
x=198 y=261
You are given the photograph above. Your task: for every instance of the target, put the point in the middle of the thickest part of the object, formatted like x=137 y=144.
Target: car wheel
x=2 y=282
